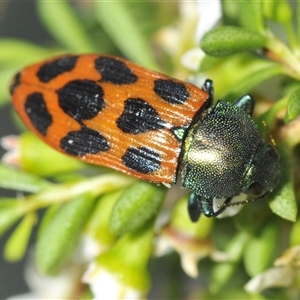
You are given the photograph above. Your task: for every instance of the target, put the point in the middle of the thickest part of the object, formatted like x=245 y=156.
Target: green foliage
x=260 y=246
x=223 y=271
x=16 y=245
x=229 y=40
x=130 y=40
x=59 y=239
x=246 y=54
x=293 y=106
x=22 y=181
x=69 y=31
x=127 y=259
x=32 y=162
x=283 y=203
x=10 y=212
x=136 y=206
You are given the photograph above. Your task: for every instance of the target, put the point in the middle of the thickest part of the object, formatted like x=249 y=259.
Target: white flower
x=285 y=273
x=87 y=249
x=190 y=248
x=121 y=272
x=182 y=41
x=273 y=277
x=209 y=13
x=192 y=241
x=64 y=285
x=192 y=58
x=12 y=145
x=106 y=285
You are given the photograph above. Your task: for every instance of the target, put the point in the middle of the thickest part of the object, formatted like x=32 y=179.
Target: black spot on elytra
x=142 y=159
x=81 y=99
x=36 y=109
x=171 y=91
x=138 y=117
x=14 y=83
x=114 y=71
x=84 y=141
x=50 y=70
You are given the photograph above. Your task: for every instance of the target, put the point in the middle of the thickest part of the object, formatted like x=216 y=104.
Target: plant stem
x=59 y=194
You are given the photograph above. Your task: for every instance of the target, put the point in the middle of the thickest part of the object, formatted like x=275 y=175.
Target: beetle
x=111 y=112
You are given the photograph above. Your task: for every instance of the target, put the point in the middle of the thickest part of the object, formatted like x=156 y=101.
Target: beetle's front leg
x=198 y=205
x=246 y=103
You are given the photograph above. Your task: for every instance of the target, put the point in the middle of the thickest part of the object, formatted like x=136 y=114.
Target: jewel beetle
x=110 y=112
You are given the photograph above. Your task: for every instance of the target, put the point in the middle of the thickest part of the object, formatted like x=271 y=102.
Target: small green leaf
x=36 y=157
x=58 y=241
x=181 y=222
x=251 y=15
x=243 y=73
x=64 y=24
x=10 y=212
x=283 y=200
x=253 y=80
x=128 y=259
x=48 y=216
x=279 y=11
x=270 y=116
x=229 y=40
x=284 y=204
x=5 y=78
x=137 y=204
x=16 y=245
x=293 y=106
x=231 y=11
x=247 y=14
x=18 y=53
x=98 y=224
x=295 y=234
x=259 y=253
x=222 y=272
x=119 y=23
x=21 y=181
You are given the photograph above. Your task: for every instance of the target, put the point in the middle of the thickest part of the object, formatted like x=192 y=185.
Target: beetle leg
x=246 y=103
x=198 y=205
x=208 y=87
x=194 y=207
x=207 y=207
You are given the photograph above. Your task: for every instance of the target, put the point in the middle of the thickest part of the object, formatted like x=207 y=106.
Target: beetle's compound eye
x=256 y=190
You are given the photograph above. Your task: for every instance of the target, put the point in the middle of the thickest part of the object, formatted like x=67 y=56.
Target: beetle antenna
x=239 y=202
x=269 y=133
